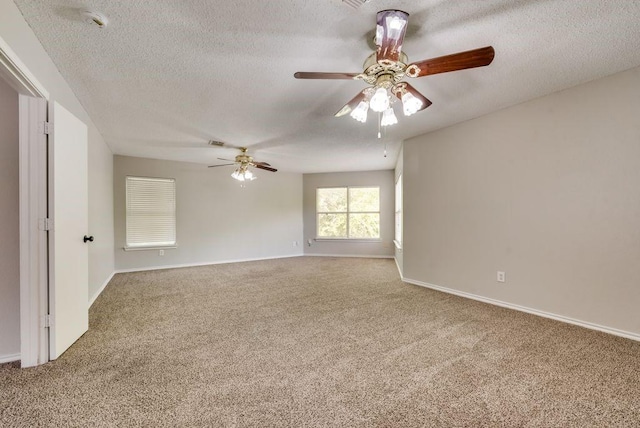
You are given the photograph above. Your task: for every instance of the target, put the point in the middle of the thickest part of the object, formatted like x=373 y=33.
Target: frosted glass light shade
x=388 y=117
x=379 y=101
x=410 y=104
x=360 y=112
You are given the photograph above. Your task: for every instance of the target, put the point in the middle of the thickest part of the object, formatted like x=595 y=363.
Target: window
x=151 y=212
x=348 y=212
x=398 y=236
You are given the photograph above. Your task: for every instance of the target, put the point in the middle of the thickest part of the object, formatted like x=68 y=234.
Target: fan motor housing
x=374 y=69
x=244 y=159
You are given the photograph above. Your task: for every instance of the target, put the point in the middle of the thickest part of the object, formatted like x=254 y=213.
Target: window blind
x=151 y=212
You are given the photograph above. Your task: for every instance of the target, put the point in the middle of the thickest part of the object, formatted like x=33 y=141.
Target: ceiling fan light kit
x=386 y=69
x=243 y=174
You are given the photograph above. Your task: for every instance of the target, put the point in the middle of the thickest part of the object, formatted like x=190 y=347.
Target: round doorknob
x=88 y=238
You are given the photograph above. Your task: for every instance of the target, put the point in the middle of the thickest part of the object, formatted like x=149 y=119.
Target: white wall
x=547 y=191
x=9 y=226
x=101 y=225
x=16 y=33
x=383 y=247
x=217 y=219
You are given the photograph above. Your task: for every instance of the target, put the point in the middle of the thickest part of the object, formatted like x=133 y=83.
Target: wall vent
x=355 y=3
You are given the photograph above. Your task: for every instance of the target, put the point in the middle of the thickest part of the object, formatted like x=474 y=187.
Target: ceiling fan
x=244 y=161
x=386 y=68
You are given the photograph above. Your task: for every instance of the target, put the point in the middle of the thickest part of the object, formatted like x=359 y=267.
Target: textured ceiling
x=167 y=76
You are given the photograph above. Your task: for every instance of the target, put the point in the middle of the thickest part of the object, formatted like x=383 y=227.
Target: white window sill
x=158 y=247
x=360 y=240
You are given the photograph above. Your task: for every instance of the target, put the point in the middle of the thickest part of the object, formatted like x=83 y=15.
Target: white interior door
x=69 y=210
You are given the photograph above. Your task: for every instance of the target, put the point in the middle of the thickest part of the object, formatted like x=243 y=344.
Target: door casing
x=33 y=98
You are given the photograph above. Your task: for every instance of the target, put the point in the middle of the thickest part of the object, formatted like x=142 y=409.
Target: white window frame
x=151 y=245
x=346 y=238
x=398 y=213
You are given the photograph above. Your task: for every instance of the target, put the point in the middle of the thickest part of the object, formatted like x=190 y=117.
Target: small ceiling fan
x=244 y=161
x=386 y=68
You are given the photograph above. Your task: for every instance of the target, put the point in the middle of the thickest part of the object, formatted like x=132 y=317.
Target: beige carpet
x=312 y=342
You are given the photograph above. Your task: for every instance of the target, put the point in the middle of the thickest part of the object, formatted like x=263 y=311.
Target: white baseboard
x=219 y=262
x=562 y=318
x=9 y=358
x=350 y=255
x=398 y=266
x=102 y=287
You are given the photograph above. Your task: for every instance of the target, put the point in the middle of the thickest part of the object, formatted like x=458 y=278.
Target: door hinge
x=47 y=128
x=47 y=321
x=45 y=224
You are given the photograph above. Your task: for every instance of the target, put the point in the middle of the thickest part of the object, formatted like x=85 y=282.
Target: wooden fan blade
x=458 y=61
x=348 y=107
x=321 y=75
x=261 y=163
x=390 y=30
x=401 y=88
x=224 y=164
x=266 y=168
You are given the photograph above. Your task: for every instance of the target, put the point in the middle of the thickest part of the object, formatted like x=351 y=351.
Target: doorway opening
x=9 y=225
x=31 y=205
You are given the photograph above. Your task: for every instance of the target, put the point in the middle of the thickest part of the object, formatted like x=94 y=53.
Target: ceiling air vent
x=355 y=3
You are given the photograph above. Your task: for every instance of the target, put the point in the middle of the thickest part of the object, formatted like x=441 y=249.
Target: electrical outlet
x=501 y=277
x=161 y=253
x=309 y=242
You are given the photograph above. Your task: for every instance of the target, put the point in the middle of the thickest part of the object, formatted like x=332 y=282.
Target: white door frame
x=33 y=206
